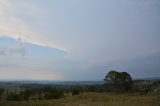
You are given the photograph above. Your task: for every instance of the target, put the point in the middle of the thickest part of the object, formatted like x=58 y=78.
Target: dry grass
x=93 y=99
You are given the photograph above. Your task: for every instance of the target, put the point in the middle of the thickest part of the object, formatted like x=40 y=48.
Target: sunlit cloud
x=15 y=27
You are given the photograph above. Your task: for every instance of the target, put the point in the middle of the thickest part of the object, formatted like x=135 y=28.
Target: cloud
x=61 y=26
x=15 y=49
x=29 y=75
x=14 y=26
x=92 y=33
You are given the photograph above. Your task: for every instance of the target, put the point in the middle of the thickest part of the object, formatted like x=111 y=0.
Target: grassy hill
x=92 y=99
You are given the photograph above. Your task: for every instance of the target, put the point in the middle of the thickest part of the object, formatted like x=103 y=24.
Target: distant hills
x=149 y=78
x=57 y=82
x=71 y=82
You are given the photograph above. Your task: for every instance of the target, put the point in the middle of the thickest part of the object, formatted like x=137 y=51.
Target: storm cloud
x=82 y=38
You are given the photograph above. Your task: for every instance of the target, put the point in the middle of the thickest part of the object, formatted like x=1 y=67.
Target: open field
x=92 y=99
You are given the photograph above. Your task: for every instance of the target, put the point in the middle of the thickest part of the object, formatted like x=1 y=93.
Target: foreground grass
x=92 y=99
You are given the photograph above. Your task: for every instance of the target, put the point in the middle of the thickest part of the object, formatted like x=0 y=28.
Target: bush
x=14 y=97
x=53 y=93
x=76 y=90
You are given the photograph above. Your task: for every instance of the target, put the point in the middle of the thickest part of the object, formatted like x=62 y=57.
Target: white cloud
x=68 y=30
x=14 y=26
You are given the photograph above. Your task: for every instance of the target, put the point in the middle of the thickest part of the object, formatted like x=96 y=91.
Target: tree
x=127 y=81
x=120 y=81
x=76 y=90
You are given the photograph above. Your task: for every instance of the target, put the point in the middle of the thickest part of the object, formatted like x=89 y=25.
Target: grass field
x=92 y=99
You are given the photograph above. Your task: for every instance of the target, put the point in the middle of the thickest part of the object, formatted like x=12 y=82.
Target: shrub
x=76 y=90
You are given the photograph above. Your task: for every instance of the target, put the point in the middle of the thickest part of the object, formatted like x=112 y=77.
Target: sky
x=78 y=39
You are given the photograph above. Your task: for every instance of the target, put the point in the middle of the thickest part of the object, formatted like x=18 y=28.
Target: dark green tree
x=126 y=81
x=120 y=81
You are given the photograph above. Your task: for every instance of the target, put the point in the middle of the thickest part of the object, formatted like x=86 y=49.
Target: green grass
x=92 y=99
